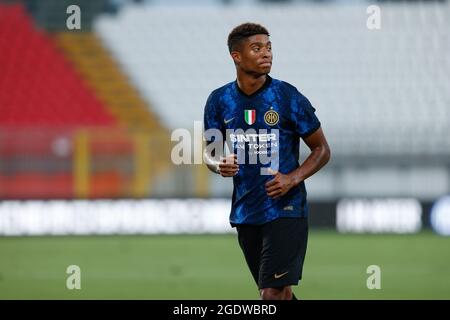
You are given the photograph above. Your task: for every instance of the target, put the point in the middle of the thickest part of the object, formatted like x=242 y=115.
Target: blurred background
x=91 y=93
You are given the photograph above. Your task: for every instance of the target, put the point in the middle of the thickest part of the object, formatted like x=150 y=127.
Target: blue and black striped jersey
x=263 y=129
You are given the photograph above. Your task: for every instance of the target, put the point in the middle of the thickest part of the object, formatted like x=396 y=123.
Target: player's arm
x=211 y=163
x=319 y=156
x=225 y=166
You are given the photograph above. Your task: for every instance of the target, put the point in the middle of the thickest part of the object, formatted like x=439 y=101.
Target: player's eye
x=256 y=49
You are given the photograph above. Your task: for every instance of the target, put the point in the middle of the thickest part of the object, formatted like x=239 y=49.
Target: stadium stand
x=70 y=124
x=95 y=64
x=381 y=94
x=394 y=78
x=38 y=86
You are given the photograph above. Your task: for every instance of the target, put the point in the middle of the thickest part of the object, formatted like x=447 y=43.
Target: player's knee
x=273 y=293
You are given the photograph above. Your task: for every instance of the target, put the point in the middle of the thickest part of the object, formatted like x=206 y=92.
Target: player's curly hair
x=242 y=32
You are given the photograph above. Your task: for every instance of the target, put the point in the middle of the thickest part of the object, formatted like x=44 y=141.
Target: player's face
x=256 y=55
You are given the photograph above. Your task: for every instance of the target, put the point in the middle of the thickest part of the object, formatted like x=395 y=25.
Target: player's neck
x=249 y=84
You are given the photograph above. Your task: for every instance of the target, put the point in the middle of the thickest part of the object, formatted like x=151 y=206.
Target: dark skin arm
x=319 y=156
x=226 y=166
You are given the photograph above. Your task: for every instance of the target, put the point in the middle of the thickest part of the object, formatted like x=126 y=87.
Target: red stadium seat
x=42 y=98
x=37 y=85
x=37 y=186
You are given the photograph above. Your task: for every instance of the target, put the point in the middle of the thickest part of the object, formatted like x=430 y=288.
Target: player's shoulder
x=285 y=87
x=292 y=90
x=292 y=94
x=221 y=91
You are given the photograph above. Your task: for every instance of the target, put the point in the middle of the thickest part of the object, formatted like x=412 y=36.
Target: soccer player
x=265 y=116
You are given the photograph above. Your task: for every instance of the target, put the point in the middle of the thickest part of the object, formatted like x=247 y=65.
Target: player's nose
x=267 y=54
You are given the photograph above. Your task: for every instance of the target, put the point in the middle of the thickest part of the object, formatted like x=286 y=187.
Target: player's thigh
x=250 y=241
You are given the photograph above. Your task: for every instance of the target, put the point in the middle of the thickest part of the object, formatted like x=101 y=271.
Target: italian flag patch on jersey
x=250 y=116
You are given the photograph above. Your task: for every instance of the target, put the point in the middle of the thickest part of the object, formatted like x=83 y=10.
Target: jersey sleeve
x=211 y=118
x=303 y=115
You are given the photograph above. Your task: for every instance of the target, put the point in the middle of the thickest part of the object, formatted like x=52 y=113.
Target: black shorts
x=275 y=251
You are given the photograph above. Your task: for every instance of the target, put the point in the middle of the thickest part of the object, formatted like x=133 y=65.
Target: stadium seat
x=38 y=86
x=393 y=78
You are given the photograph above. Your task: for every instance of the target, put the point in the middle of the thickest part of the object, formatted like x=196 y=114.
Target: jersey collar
x=263 y=87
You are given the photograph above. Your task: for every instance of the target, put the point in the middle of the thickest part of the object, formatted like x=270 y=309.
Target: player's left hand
x=279 y=185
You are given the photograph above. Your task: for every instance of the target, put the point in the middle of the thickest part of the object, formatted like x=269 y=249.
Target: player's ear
x=236 y=56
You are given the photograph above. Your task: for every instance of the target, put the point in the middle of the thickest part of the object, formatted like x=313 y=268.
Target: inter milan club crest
x=271 y=117
x=250 y=116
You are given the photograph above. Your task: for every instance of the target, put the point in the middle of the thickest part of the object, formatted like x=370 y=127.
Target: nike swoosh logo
x=278 y=276
x=226 y=121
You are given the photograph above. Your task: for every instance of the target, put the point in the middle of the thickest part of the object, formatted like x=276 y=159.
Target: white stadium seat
x=376 y=91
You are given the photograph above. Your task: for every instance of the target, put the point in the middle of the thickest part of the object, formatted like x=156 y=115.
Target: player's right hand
x=228 y=166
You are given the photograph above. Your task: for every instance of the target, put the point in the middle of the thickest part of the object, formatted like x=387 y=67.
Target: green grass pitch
x=212 y=267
